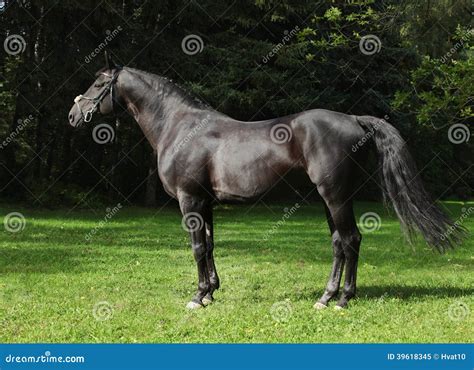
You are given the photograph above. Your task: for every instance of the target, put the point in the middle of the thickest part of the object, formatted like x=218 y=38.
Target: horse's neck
x=149 y=107
x=153 y=103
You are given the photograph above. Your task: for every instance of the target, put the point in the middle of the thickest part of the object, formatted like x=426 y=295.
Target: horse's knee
x=338 y=250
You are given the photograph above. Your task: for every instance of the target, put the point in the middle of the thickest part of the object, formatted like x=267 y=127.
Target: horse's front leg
x=193 y=221
x=213 y=277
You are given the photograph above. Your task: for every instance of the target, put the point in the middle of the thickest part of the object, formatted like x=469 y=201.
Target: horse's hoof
x=207 y=300
x=319 y=306
x=193 y=305
x=337 y=307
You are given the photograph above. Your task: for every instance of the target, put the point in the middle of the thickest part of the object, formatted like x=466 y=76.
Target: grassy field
x=131 y=281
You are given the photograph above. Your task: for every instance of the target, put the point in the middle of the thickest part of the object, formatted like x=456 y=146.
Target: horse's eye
x=100 y=84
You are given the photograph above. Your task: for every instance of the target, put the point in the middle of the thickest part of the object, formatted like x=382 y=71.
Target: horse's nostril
x=71 y=117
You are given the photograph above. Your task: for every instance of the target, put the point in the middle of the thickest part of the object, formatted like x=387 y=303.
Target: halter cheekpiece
x=108 y=90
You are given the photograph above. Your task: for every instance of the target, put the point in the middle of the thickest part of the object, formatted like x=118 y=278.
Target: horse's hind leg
x=349 y=237
x=332 y=287
x=213 y=277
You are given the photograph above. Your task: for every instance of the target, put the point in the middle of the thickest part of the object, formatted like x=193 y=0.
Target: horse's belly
x=244 y=177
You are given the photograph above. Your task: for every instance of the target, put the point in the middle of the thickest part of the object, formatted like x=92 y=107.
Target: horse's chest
x=182 y=171
x=168 y=174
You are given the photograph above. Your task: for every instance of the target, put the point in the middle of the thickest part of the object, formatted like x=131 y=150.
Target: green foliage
x=439 y=96
x=441 y=92
x=261 y=59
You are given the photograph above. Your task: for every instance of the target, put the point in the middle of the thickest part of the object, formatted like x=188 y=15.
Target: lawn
x=130 y=281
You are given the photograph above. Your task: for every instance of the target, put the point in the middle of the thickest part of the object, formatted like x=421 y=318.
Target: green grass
x=141 y=264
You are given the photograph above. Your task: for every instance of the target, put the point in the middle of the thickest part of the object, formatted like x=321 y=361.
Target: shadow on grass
x=409 y=292
x=404 y=292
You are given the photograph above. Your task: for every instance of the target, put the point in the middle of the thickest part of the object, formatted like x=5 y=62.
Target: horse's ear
x=109 y=64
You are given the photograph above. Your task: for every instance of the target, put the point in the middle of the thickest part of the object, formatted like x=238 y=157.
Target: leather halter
x=108 y=90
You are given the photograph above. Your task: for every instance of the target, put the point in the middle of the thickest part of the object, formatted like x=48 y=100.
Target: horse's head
x=100 y=96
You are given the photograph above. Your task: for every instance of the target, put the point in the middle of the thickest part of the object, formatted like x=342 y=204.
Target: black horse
x=204 y=156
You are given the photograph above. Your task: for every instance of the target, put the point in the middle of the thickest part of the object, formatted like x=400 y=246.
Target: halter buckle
x=88 y=115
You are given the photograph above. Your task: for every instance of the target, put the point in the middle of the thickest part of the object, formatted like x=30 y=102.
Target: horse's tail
x=403 y=186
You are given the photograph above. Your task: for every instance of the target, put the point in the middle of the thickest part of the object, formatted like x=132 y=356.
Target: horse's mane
x=165 y=85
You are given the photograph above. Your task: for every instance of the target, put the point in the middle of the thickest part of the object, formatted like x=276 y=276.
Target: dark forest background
x=422 y=79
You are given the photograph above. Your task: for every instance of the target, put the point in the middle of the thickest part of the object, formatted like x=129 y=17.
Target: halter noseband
x=108 y=90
